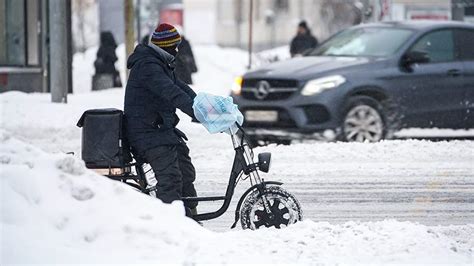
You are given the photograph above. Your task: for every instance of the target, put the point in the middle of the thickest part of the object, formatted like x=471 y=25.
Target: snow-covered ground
x=53 y=210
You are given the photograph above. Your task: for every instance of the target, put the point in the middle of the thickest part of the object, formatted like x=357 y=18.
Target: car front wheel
x=363 y=121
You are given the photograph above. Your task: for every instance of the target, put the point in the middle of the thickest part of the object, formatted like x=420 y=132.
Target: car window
x=439 y=45
x=465 y=44
x=368 y=41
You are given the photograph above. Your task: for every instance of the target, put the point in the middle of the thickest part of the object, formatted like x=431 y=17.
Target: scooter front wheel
x=284 y=209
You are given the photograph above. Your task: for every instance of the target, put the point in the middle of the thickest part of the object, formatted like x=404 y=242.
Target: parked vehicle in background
x=364 y=83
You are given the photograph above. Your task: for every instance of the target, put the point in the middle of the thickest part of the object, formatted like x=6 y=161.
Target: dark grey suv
x=364 y=83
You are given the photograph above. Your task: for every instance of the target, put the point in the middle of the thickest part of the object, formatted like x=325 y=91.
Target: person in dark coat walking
x=152 y=95
x=185 y=62
x=303 y=40
x=106 y=57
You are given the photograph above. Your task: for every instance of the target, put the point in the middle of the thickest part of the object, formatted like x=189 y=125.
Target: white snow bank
x=53 y=210
x=434 y=132
x=272 y=55
x=51 y=126
x=83 y=68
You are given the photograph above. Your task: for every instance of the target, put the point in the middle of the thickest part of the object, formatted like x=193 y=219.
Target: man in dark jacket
x=185 y=62
x=303 y=40
x=106 y=58
x=152 y=95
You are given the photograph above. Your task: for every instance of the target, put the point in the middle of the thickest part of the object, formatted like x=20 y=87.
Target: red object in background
x=172 y=15
x=4 y=79
x=430 y=17
x=386 y=7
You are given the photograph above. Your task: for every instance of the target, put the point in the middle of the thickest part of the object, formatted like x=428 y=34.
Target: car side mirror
x=415 y=57
x=264 y=161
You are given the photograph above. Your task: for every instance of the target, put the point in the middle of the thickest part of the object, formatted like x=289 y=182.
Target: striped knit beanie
x=165 y=35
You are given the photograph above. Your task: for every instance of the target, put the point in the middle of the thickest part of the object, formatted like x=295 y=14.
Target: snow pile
x=51 y=126
x=273 y=55
x=51 y=205
x=435 y=132
x=83 y=70
x=56 y=211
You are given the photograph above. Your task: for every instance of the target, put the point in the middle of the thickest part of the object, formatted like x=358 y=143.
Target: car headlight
x=318 y=85
x=237 y=86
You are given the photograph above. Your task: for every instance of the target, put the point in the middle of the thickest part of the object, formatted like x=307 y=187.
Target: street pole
x=58 y=45
x=250 y=33
x=129 y=29
x=69 y=44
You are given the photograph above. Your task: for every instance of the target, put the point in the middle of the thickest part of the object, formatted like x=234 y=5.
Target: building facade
x=275 y=21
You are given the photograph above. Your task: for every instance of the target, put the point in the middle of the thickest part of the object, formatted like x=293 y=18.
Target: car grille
x=267 y=90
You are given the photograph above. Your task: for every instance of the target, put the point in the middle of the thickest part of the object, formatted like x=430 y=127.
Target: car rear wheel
x=363 y=121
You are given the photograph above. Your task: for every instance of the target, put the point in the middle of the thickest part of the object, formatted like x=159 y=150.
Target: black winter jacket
x=302 y=43
x=152 y=95
x=185 y=62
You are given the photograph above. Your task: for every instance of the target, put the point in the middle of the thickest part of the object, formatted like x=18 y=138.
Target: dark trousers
x=174 y=172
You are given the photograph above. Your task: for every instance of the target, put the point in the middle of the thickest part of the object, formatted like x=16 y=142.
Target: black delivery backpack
x=103 y=142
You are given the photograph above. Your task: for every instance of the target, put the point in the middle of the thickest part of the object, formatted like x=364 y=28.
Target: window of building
x=12 y=32
x=19 y=37
x=32 y=25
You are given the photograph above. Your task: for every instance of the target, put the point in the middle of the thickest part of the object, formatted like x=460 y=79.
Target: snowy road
x=440 y=199
x=432 y=189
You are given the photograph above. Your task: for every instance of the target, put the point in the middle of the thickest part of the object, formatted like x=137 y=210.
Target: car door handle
x=454 y=72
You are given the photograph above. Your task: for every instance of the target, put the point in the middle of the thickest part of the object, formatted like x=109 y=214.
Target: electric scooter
x=264 y=203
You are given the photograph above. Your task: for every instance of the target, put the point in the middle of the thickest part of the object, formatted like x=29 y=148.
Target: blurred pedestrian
x=303 y=40
x=185 y=62
x=106 y=58
x=152 y=95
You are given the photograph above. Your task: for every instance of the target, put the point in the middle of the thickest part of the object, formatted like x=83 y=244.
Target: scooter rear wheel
x=285 y=209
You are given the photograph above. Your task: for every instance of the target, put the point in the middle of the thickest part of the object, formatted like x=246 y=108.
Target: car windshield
x=370 y=41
